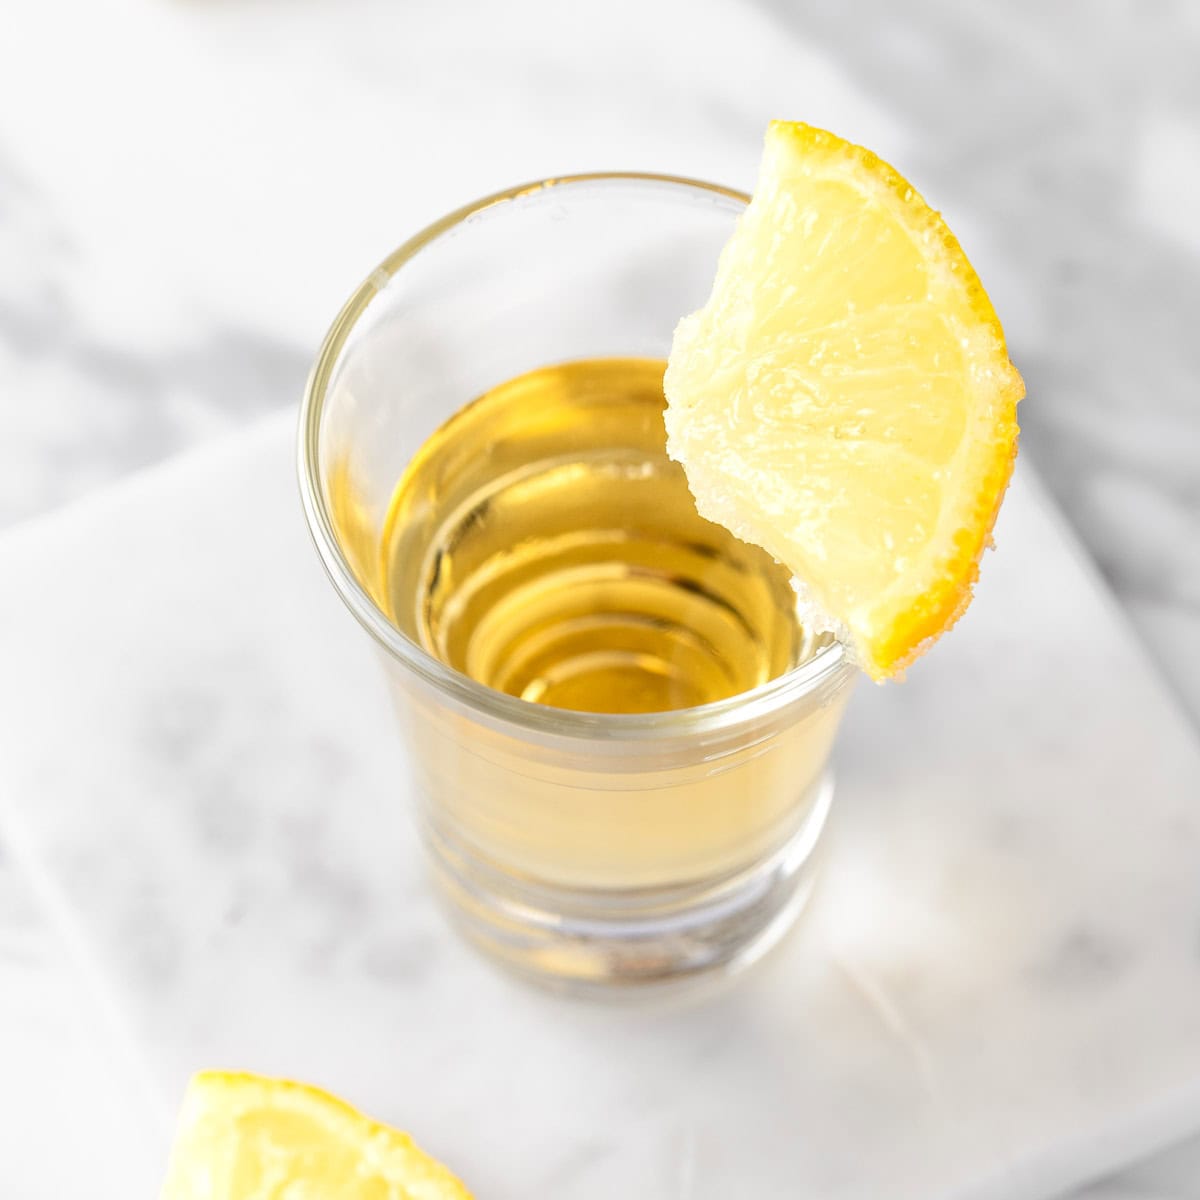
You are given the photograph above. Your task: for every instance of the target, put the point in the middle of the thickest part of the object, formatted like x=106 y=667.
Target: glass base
x=601 y=942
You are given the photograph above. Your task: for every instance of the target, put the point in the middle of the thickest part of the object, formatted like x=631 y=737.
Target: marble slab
x=995 y=994
x=63 y=1076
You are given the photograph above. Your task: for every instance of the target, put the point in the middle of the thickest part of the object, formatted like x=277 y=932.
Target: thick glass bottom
x=584 y=941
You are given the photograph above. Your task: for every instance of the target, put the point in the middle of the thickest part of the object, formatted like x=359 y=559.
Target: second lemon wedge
x=247 y=1137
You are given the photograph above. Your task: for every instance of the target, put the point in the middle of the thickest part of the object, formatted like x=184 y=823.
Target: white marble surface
x=155 y=197
x=997 y=989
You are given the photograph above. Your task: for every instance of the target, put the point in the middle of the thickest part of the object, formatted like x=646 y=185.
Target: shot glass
x=587 y=850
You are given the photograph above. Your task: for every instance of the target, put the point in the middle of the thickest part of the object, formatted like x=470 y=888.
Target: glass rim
x=744 y=707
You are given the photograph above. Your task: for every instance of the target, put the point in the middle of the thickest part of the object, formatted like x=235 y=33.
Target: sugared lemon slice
x=845 y=398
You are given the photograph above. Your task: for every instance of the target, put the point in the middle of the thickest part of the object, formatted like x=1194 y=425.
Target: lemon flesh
x=845 y=398
x=245 y=1137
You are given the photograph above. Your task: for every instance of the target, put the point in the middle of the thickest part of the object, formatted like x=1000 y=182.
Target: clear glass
x=590 y=850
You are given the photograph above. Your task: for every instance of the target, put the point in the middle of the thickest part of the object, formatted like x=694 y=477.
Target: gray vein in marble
x=82 y=412
x=1083 y=959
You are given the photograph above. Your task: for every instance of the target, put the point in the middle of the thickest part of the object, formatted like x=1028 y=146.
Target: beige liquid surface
x=542 y=543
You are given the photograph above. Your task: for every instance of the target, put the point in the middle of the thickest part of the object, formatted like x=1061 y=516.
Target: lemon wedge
x=845 y=398
x=246 y=1137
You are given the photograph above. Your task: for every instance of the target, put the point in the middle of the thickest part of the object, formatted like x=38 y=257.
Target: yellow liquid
x=542 y=543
